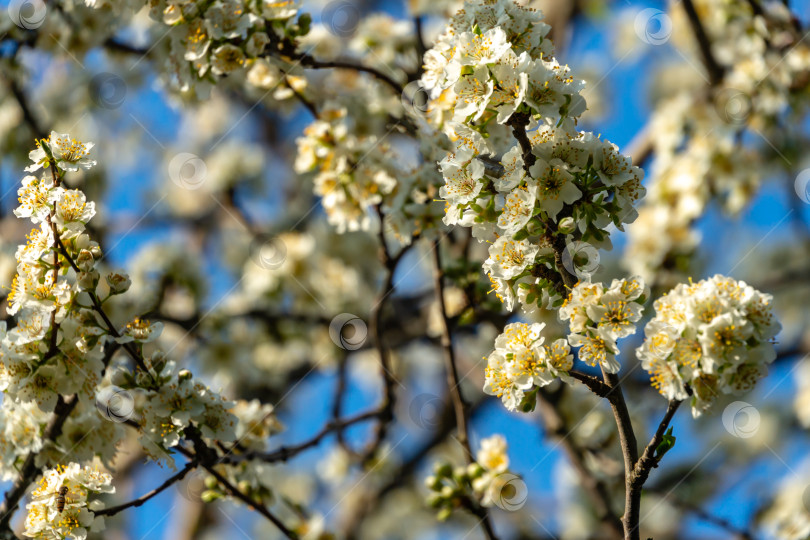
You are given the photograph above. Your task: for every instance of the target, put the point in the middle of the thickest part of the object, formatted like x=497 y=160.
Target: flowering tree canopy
x=361 y=270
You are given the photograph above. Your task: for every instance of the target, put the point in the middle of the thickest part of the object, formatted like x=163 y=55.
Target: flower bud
x=211 y=482
x=567 y=225
x=475 y=470
x=183 y=375
x=85 y=260
x=460 y=475
x=433 y=483
x=119 y=282
x=210 y=496
x=443 y=470
x=88 y=280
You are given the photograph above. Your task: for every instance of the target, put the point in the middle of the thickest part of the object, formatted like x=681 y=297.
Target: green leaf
x=521 y=234
x=665 y=445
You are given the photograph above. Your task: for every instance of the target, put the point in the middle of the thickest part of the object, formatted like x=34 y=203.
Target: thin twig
x=648 y=459
x=286 y=452
x=111 y=511
x=262 y=509
x=454 y=381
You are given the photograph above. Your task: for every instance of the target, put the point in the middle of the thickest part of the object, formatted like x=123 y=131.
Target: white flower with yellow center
x=473 y=93
x=474 y=49
x=492 y=454
x=574 y=308
x=555 y=186
x=513 y=170
x=227 y=19
x=34 y=198
x=597 y=347
x=558 y=357
x=615 y=314
x=510 y=85
x=226 y=59
x=463 y=181
x=713 y=336
x=519 y=363
x=71 y=209
x=517 y=210
x=59 y=506
x=197 y=41
x=69 y=154
x=509 y=258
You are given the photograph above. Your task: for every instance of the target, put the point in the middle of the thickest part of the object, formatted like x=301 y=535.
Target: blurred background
x=192 y=191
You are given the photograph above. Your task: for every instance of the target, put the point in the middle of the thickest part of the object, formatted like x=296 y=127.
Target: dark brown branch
x=453 y=381
x=99 y=309
x=262 y=509
x=648 y=459
x=286 y=452
x=310 y=62
x=596 y=489
x=390 y=263
x=627 y=438
x=594 y=384
x=111 y=511
x=714 y=69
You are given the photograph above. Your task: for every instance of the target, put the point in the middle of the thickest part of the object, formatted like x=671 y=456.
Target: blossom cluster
x=212 y=40
x=56 y=346
x=63 y=343
x=60 y=505
x=492 y=78
x=256 y=423
x=598 y=316
x=483 y=481
x=522 y=361
x=698 y=144
x=354 y=171
x=709 y=338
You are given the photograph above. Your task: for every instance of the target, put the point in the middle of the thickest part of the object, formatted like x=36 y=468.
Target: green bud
x=567 y=225
x=460 y=475
x=444 y=513
x=474 y=470
x=210 y=496
x=433 y=483
x=443 y=469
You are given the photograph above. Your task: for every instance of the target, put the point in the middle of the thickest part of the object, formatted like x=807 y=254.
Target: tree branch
x=714 y=69
x=286 y=452
x=627 y=438
x=596 y=489
x=111 y=511
x=453 y=381
x=648 y=460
